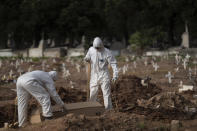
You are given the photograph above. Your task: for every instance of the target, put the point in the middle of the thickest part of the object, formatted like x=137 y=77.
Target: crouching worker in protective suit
x=99 y=58
x=40 y=85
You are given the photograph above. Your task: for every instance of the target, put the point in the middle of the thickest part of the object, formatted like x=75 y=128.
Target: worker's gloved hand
x=114 y=79
x=87 y=59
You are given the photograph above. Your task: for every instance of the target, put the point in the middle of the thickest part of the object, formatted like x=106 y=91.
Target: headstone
x=52 y=43
x=185 y=37
x=176 y=69
x=71 y=84
x=78 y=67
x=186 y=88
x=181 y=84
x=169 y=76
x=185 y=63
x=187 y=57
x=190 y=73
x=134 y=64
x=155 y=66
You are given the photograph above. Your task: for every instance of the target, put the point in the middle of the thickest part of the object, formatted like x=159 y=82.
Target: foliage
x=145 y=38
x=155 y=21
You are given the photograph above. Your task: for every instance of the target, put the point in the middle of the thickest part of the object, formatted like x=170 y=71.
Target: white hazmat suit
x=40 y=85
x=100 y=57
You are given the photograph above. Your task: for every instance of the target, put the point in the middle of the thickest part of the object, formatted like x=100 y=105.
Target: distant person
x=99 y=58
x=40 y=85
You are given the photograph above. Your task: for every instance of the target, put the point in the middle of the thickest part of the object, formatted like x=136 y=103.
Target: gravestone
x=185 y=37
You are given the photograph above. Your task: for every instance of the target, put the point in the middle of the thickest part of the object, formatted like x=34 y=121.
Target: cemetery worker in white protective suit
x=40 y=85
x=99 y=58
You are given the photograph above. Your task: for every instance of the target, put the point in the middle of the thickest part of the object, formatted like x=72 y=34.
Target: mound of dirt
x=167 y=100
x=128 y=90
x=128 y=95
x=169 y=104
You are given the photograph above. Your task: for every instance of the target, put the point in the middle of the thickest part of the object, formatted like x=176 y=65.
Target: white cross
x=17 y=64
x=127 y=59
x=156 y=66
x=71 y=84
x=176 y=69
x=145 y=63
x=10 y=73
x=177 y=59
x=134 y=64
x=181 y=84
x=78 y=67
x=20 y=71
x=30 y=69
x=43 y=65
x=169 y=76
x=190 y=73
x=153 y=63
x=124 y=69
x=54 y=61
x=187 y=57
x=185 y=63
x=22 y=61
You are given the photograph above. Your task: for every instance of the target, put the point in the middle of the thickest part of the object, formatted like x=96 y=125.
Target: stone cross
x=185 y=63
x=177 y=59
x=155 y=66
x=20 y=71
x=127 y=59
x=54 y=61
x=134 y=64
x=78 y=67
x=181 y=84
x=187 y=57
x=71 y=84
x=169 y=76
x=11 y=73
x=17 y=64
x=124 y=69
x=30 y=69
x=43 y=65
x=190 y=73
x=145 y=63
x=176 y=69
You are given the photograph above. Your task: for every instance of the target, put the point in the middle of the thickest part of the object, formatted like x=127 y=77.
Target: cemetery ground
x=156 y=105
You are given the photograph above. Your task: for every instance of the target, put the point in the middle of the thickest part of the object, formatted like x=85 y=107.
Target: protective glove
x=114 y=79
x=87 y=59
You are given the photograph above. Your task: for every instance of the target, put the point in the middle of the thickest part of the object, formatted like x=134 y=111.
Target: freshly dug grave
x=128 y=90
x=8 y=111
x=130 y=96
x=169 y=105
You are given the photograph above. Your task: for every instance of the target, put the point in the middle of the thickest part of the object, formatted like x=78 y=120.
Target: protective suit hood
x=97 y=43
x=53 y=75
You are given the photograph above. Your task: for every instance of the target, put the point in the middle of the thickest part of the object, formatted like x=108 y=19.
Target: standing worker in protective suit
x=40 y=85
x=99 y=58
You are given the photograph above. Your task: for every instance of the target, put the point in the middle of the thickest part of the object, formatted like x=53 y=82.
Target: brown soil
x=135 y=107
